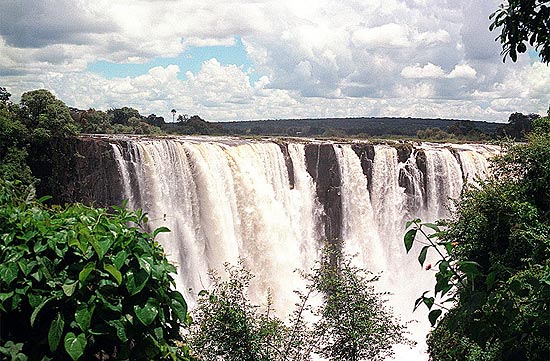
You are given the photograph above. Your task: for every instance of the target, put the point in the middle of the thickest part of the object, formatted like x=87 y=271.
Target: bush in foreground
x=80 y=283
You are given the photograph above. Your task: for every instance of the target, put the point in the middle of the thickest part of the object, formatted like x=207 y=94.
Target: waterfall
x=271 y=204
x=224 y=202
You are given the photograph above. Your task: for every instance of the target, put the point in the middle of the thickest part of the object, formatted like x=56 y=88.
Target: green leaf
x=178 y=305
x=433 y=316
x=432 y=226
x=114 y=272
x=8 y=273
x=44 y=199
x=69 y=288
x=469 y=268
x=38 y=309
x=135 y=281
x=75 y=345
x=409 y=239
x=55 y=333
x=429 y=302
x=490 y=281
x=120 y=330
x=83 y=275
x=119 y=259
x=148 y=312
x=83 y=316
x=101 y=246
x=422 y=255
x=160 y=230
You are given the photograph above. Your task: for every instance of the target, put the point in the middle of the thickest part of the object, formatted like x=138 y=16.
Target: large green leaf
x=8 y=272
x=422 y=255
x=433 y=316
x=148 y=312
x=69 y=288
x=75 y=345
x=114 y=272
x=409 y=239
x=38 y=308
x=135 y=281
x=179 y=306
x=83 y=316
x=83 y=275
x=101 y=245
x=55 y=333
x=120 y=330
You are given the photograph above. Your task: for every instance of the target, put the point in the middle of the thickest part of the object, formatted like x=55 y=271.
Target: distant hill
x=372 y=127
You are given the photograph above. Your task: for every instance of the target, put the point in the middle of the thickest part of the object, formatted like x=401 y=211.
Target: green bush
x=494 y=266
x=82 y=283
x=352 y=322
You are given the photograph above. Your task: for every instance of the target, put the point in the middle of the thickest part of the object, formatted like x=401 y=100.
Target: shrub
x=80 y=283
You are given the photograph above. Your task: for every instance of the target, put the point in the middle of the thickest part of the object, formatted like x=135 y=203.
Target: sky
x=244 y=60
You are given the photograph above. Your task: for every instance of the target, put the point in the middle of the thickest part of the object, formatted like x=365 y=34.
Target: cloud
x=462 y=71
x=311 y=58
x=427 y=71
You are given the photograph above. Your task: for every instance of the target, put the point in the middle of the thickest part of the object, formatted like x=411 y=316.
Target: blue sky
x=270 y=59
x=191 y=59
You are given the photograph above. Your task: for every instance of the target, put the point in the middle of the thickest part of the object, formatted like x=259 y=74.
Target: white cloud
x=427 y=71
x=462 y=71
x=380 y=57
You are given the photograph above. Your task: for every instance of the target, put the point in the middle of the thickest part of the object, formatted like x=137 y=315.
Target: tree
x=523 y=22
x=518 y=125
x=46 y=116
x=4 y=95
x=354 y=322
x=122 y=115
x=14 y=137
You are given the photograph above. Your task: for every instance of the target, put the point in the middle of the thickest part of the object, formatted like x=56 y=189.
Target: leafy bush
x=495 y=274
x=227 y=326
x=352 y=322
x=81 y=283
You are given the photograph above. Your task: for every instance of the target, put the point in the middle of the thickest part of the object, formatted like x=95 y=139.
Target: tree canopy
x=522 y=23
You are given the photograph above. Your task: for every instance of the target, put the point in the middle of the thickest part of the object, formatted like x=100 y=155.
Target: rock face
x=288 y=162
x=80 y=170
x=322 y=165
x=365 y=152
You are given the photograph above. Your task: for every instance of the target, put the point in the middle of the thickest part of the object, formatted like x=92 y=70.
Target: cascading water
x=226 y=199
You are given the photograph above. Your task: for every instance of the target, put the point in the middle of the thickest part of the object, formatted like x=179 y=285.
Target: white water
x=224 y=200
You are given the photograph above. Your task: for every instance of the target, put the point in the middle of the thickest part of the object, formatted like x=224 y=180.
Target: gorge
x=273 y=203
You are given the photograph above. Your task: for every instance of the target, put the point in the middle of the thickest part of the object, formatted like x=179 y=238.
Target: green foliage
x=80 y=282
x=352 y=320
x=493 y=271
x=227 y=326
x=13 y=141
x=522 y=23
x=46 y=116
x=354 y=324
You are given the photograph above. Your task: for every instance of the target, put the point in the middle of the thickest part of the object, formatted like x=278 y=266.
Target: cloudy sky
x=240 y=60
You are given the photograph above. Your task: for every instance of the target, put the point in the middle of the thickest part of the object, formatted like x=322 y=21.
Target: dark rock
x=288 y=162
x=404 y=151
x=365 y=152
x=78 y=170
x=322 y=165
